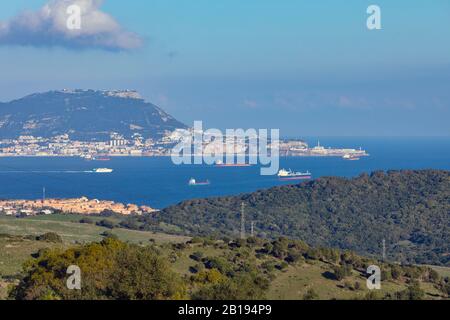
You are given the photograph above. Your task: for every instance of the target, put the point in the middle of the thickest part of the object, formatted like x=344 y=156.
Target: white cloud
x=47 y=27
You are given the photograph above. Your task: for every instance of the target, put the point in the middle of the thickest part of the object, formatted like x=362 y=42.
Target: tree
x=109 y=234
x=396 y=272
x=196 y=256
x=219 y=263
x=110 y=269
x=414 y=292
x=280 y=248
x=50 y=237
x=293 y=257
x=87 y=221
x=342 y=272
x=433 y=276
x=282 y=266
x=209 y=276
x=106 y=224
x=144 y=275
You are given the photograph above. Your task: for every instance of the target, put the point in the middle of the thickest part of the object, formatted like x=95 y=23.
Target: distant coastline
x=64 y=147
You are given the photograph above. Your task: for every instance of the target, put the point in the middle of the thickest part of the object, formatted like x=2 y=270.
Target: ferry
x=220 y=164
x=193 y=182
x=290 y=175
x=103 y=170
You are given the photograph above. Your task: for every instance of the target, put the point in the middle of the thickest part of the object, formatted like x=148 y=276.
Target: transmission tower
x=242 y=220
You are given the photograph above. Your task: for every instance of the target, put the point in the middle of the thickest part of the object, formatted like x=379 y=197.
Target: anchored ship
x=193 y=182
x=291 y=175
x=89 y=157
x=221 y=164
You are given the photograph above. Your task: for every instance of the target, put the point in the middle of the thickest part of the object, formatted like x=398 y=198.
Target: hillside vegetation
x=409 y=209
x=78 y=229
x=205 y=269
x=19 y=238
x=84 y=115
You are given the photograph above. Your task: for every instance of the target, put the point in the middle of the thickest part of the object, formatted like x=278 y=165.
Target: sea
x=158 y=183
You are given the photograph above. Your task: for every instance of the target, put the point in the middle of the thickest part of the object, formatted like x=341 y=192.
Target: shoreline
x=81 y=206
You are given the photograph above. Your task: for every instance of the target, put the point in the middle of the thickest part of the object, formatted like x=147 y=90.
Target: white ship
x=290 y=175
x=193 y=182
x=351 y=157
x=103 y=170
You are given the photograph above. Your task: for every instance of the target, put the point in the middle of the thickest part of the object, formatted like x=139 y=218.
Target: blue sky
x=309 y=68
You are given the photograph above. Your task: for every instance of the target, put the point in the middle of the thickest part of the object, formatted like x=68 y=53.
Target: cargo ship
x=220 y=164
x=103 y=170
x=193 y=182
x=89 y=157
x=290 y=175
x=101 y=158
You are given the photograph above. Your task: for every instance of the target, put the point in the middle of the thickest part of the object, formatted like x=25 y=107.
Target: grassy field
x=69 y=228
x=443 y=271
x=16 y=251
x=293 y=283
x=184 y=262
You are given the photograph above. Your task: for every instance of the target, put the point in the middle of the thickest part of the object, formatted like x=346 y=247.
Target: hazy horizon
x=311 y=69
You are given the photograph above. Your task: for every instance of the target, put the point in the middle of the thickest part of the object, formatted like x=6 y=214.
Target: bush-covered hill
x=206 y=269
x=409 y=209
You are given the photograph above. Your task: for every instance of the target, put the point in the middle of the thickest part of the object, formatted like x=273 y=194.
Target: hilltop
x=84 y=115
x=408 y=209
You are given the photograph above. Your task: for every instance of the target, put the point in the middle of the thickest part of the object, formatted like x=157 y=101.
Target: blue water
x=159 y=183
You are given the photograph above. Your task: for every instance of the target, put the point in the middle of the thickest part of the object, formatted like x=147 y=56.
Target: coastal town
x=82 y=206
x=63 y=146
x=137 y=146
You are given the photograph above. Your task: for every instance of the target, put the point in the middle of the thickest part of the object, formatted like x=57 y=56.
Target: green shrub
x=110 y=269
x=50 y=237
x=310 y=295
x=341 y=272
x=196 y=256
